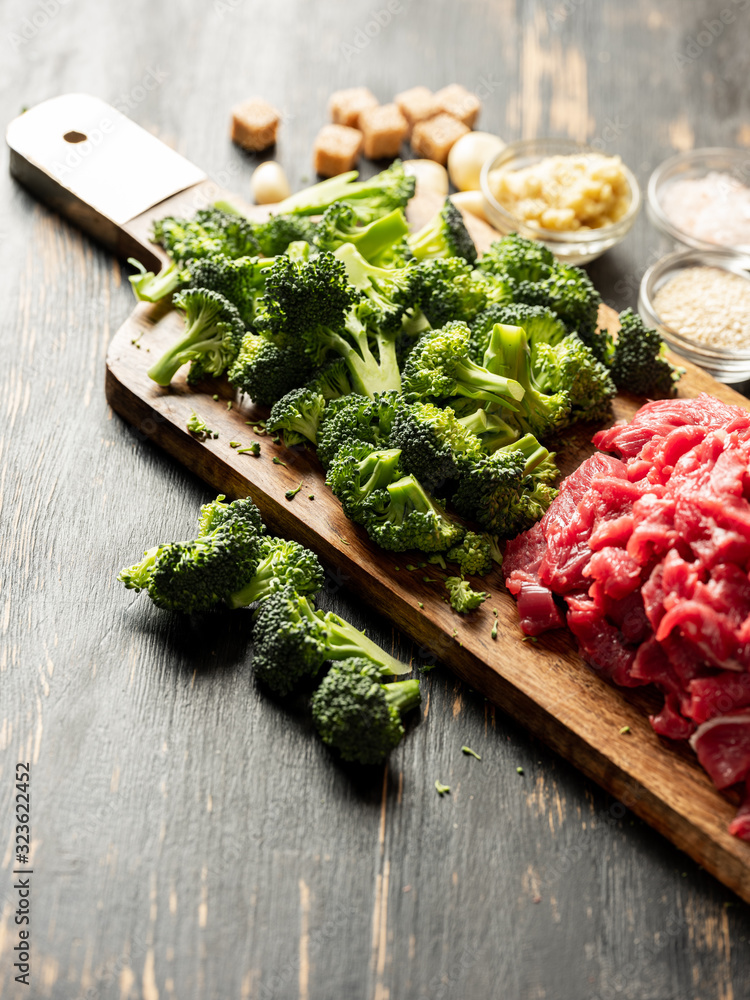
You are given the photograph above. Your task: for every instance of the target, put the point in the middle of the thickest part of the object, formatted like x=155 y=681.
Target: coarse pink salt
x=714 y=208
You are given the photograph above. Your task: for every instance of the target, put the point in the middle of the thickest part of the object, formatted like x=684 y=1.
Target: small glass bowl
x=725 y=364
x=693 y=166
x=576 y=247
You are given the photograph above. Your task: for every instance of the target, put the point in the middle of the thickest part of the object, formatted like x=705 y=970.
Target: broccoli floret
x=519 y=259
x=281 y=563
x=292 y=640
x=473 y=555
x=370 y=199
x=571 y=368
x=356 y=419
x=541 y=325
x=277 y=234
x=210 y=232
x=462 y=597
x=357 y=472
x=640 y=364
x=340 y=225
x=150 y=287
x=332 y=380
x=213 y=335
x=508 y=491
x=431 y=442
x=198 y=426
x=403 y=517
x=241 y=280
x=537 y=413
x=444 y=236
x=197 y=574
x=265 y=372
x=354 y=712
x=298 y=415
x=450 y=290
x=439 y=365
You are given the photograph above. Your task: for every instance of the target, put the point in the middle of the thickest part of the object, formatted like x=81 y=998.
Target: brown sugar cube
x=336 y=149
x=254 y=124
x=345 y=106
x=417 y=105
x=434 y=138
x=457 y=101
x=384 y=129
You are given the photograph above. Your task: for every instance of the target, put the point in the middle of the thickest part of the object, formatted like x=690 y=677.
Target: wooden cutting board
x=545 y=685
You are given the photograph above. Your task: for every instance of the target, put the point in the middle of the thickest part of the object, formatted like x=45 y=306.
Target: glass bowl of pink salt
x=701 y=198
x=699 y=300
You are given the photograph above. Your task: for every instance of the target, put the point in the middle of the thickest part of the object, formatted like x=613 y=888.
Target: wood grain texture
x=192 y=838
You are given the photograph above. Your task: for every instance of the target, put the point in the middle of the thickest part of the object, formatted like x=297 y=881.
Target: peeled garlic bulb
x=470 y=201
x=269 y=184
x=430 y=176
x=468 y=156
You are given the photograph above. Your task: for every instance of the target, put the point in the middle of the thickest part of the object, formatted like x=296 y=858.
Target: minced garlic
x=565 y=193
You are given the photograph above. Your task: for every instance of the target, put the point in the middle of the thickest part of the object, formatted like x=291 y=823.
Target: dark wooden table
x=191 y=837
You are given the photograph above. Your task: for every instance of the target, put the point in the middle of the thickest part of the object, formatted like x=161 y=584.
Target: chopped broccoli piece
x=356 y=419
x=508 y=491
x=473 y=555
x=150 y=287
x=332 y=380
x=266 y=372
x=639 y=364
x=431 y=441
x=293 y=640
x=542 y=326
x=354 y=712
x=370 y=199
x=198 y=426
x=493 y=432
x=440 y=788
x=519 y=259
x=210 y=232
x=357 y=472
x=213 y=334
x=291 y=494
x=197 y=574
x=444 y=236
x=571 y=368
x=239 y=279
x=281 y=563
x=463 y=599
x=341 y=225
x=449 y=290
x=280 y=232
x=298 y=415
x=404 y=517
x=439 y=365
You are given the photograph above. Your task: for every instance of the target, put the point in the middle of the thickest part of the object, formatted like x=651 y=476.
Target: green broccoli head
x=357 y=472
x=462 y=597
x=356 y=419
x=444 y=236
x=197 y=574
x=439 y=365
x=281 y=563
x=278 y=232
x=432 y=440
x=239 y=279
x=212 y=231
x=506 y=492
x=212 y=338
x=360 y=716
x=341 y=225
x=449 y=290
x=519 y=259
x=266 y=372
x=331 y=380
x=391 y=188
x=474 y=555
x=298 y=415
x=542 y=326
x=404 y=517
x=640 y=364
x=571 y=368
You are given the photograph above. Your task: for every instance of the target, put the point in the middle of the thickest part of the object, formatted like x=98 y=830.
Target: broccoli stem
x=191 y=345
x=344 y=640
x=382 y=233
x=476 y=382
x=532 y=451
x=379 y=468
x=150 y=287
x=491 y=428
x=318 y=197
x=369 y=374
x=403 y=695
x=261 y=585
x=429 y=242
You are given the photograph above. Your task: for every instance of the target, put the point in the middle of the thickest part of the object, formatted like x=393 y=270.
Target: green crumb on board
x=235 y=444
x=419 y=604
x=625 y=730
x=528 y=638
x=277 y=461
x=276 y=440
x=197 y=425
x=310 y=496
x=494 y=612
x=291 y=494
x=470 y=753
x=519 y=770
x=229 y=404
x=493 y=633
x=441 y=789
x=410 y=567
x=427 y=579
x=252 y=449
x=216 y=397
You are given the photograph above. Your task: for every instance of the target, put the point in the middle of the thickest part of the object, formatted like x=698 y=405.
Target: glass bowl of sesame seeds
x=699 y=300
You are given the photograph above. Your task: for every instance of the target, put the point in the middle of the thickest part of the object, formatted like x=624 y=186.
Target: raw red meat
x=649 y=552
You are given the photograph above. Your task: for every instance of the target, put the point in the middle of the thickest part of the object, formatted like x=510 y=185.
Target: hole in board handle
x=74 y=136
